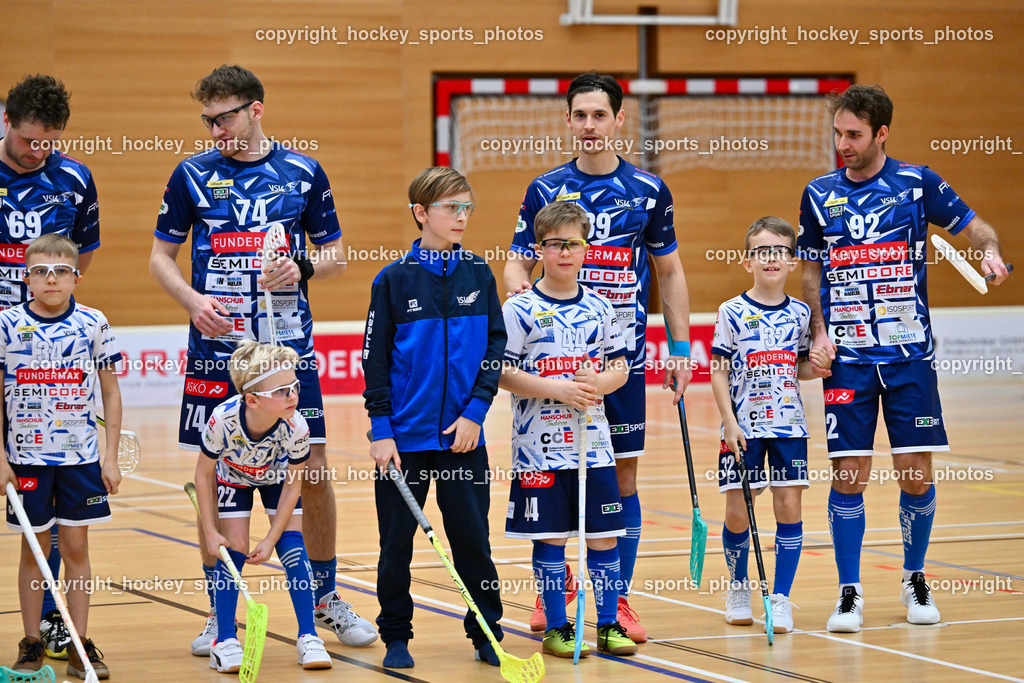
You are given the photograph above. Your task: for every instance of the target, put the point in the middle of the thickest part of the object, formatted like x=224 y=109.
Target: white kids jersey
x=241 y=461
x=551 y=338
x=763 y=344
x=50 y=383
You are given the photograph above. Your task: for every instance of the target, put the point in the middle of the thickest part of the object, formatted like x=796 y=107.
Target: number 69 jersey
x=870 y=237
x=241 y=460
x=58 y=197
x=631 y=215
x=228 y=205
x=551 y=338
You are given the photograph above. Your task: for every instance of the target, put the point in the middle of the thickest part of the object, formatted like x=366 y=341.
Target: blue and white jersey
x=228 y=205
x=870 y=237
x=242 y=461
x=763 y=345
x=552 y=338
x=631 y=216
x=60 y=197
x=50 y=383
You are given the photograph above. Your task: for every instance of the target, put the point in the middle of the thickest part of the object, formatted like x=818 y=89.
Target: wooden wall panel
x=367 y=106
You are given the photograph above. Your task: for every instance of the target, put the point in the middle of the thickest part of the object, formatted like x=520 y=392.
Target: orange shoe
x=538 y=622
x=630 y=621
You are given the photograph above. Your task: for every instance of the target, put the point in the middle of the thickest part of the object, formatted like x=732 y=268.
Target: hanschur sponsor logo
x=536 y=480
x=203 y=387
x=838 y=396
x=50 y=376
x=868 y=253
x=844 y=312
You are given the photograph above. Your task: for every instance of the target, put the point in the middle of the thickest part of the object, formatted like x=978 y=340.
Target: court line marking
x=796 y=632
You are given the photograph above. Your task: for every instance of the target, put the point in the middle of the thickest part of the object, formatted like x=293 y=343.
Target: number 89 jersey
x=228 y=205
x=630 y=213
x=58 y=197
x=870 y=237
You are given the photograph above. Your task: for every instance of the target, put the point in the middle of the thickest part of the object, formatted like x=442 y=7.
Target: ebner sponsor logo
x=904 y=270
x=894 y=290
x=868 y=253
x=50 y=376
x=838 y=396
x=224 y=242
x=609 y=256
x=771 y=358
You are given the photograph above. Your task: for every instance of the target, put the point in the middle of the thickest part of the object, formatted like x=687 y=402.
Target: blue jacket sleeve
x=486 y=384
x=378 y=340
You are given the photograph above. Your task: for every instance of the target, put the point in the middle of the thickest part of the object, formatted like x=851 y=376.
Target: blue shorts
x=787 y=464
x=207 y=384
x=234 y=500
x=910 y=406
x=626 y=409
x=546 y=505
x=71 y=495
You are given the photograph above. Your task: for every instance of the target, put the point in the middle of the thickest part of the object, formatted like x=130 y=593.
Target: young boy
x=759 y=351
x=256 y=440
x=565 y=352
x=432 y=358
x=53 y=351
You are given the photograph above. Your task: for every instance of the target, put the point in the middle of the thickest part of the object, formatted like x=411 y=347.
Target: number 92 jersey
x=630 y=213
x=870 y=237
x=228 y=205
x=60 y=197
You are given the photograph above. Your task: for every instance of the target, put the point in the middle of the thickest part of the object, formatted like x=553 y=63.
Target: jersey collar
x=434 y=261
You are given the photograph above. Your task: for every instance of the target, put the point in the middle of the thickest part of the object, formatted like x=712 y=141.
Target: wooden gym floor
x=143 y=623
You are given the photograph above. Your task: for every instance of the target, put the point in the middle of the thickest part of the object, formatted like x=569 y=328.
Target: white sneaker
x=782 y=614
x=337 y=615
x=737 y=607
x=312 y=654
x=226 y=656
x=917 y=598
x=201 y=645
x=848 y=616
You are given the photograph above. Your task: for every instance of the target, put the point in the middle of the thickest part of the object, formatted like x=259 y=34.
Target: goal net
x=493 y=124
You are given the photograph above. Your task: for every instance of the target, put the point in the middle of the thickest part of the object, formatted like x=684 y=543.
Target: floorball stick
x=129 y=451
x=584 y=422
x=14 y=502
x=256 y=614
x=512 y=668
x=966 y=269
x=741 y=465
x=273 y=240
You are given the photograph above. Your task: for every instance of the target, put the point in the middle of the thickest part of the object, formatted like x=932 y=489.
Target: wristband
x=680 y=348
x=305 y=267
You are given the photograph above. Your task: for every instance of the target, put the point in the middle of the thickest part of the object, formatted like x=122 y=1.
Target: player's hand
x=732 y=435
x=214 y=541
x=524 y=286
x=467 y=435
x=678 y=374
x=578 y=395
x=384 y=450
x=279 y=272
x=262 y=552
x=993 y=263
x=823 y=343
x=209 y=316
x=586 y=374
x=7 y=476
x=111 y=475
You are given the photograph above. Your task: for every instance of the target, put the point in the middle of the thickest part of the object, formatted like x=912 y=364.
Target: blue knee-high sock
x=603 y=566
x=324 y=577
x=292 y=554
x=789 y=539
x=736 y=546
x=630 y=543
x=211 y=579
x=226 y=596
x=916 y=516
x=846 y=522
x=549 y=569
x=53 y=559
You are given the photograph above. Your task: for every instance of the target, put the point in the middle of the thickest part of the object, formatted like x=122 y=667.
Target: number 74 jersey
x=871 y=239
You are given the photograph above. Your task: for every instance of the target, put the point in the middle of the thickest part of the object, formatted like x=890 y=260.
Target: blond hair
x=53 y=244
x=557 y=214
x=252 y=359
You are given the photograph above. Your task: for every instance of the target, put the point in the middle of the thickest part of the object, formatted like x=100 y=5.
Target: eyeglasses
x=455 y=208
x=58 y=270
x=557 y=244
x=775 y=252
x=209 y=121
x=286 y=391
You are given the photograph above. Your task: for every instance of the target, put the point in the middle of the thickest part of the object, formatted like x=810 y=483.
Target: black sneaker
x=77 y=668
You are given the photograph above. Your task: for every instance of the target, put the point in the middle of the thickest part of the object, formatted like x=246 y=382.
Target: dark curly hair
x=41 y=99
x=226 y=82
x=868 y=103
